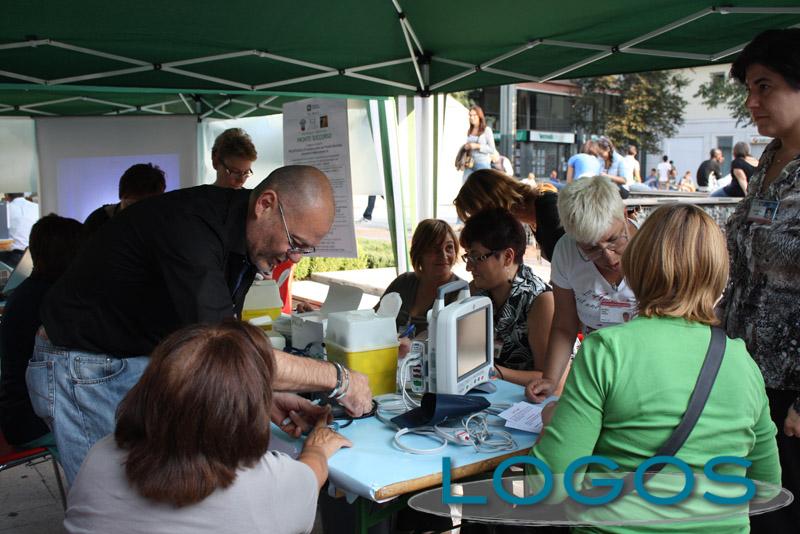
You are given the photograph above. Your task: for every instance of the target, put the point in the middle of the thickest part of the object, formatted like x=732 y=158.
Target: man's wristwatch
x=796 y=405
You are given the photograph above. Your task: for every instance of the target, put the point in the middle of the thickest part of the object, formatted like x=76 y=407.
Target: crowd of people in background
x=123 y=352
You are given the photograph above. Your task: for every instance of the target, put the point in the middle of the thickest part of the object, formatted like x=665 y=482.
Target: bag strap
x=697 y=401
x=702 y=389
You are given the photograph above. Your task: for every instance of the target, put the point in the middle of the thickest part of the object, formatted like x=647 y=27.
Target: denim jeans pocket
x=96 y=370
x=40 y=378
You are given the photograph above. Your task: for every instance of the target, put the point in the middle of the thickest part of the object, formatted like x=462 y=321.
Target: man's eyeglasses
x=294 y=252
x=475 y=260
x=241 y=174
x=614 y=245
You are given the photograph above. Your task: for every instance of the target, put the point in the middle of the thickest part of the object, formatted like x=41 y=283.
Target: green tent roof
x=238 y=58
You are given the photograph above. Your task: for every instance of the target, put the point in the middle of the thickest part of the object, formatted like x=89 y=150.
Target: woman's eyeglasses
x=474 y=260
x=241 y=174
x=614 y=245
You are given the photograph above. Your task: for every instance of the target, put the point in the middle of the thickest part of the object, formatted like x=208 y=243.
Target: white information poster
x=315 y=132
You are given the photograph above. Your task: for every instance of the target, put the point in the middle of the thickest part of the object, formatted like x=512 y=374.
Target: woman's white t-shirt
x=598 y=302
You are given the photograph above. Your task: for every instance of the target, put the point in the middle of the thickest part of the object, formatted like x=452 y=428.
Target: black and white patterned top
x=762 y=301
x=511 y=320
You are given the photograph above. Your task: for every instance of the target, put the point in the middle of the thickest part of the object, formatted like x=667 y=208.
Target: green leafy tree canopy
x=722 y=91
x=639 y=109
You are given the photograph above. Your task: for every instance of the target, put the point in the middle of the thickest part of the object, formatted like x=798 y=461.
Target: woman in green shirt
x=630 y=384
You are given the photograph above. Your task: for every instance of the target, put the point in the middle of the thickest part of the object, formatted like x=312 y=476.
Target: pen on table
x=289 y=419
x=408 y=332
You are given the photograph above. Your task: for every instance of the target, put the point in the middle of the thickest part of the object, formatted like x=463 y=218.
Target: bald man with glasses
x=185 y=257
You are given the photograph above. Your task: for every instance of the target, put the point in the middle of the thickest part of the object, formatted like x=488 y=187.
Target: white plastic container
x=308 y=328
x=264 y=322
x=262 y=299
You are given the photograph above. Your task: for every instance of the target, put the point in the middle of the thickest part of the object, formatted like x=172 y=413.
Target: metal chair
x=10 y=457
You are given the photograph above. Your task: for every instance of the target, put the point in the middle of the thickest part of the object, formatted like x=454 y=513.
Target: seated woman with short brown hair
x=189 y=453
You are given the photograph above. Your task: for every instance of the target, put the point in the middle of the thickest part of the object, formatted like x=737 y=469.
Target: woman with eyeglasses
x=630 y=387
x=589 y=285
x=232 y=156
x=494 y=242
x=534 y=206
x=434 y=249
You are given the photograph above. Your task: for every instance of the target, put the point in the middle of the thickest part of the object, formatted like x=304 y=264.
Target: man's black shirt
x=161 y=264
x=705 y=170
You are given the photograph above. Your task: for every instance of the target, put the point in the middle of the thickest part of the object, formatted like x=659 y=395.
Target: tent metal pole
x=413 y=57
x=106 y=74
x=407 y=35
x=452 y=79
x=25 y=44
x=669 y=27
x=574 y=66
x=300 y=62
x=452 y=62
x=208 y=59
x=665 y=53
x=92 y=52
x=513 y=74
x=296 y=80
x=379 y=65
x=38 y=111
x=426 y=146
x=51 y=102
x=571 y=44
x=437 y=113
x=379 y=80
x=9 y=74
x=107 y=102
x=507 y=55
x=413 y=35
x=217 y=109
x=393 y=190
x=246 y=112
x=199 y=76
x=186 y=103
x=724 y=10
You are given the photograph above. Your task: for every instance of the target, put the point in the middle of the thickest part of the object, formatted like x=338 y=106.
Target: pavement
x=29 y=500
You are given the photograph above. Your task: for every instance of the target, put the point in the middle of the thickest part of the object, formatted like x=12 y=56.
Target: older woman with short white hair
x=589 y=286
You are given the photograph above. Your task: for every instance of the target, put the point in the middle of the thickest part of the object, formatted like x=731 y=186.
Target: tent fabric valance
x=244 y=58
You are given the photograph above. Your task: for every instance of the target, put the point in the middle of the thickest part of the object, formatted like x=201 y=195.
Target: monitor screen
x=471 y=338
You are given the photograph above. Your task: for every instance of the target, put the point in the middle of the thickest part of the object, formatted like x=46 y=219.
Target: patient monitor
x=458 y=354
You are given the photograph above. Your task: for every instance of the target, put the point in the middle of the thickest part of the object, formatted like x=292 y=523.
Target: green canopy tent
x=244 y=58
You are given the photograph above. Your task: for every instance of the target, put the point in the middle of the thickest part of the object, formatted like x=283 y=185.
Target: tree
x=639 y=109
x=720 y=91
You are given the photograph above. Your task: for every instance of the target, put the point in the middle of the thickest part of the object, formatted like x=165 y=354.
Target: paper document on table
x=525 y=416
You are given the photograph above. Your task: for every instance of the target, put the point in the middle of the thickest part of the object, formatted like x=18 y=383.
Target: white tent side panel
x=82 y=158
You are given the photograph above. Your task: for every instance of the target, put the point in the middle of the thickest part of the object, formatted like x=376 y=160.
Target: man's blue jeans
x=77 y=393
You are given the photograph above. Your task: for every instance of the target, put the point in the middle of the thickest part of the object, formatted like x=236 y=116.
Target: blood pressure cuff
x=436 y=407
